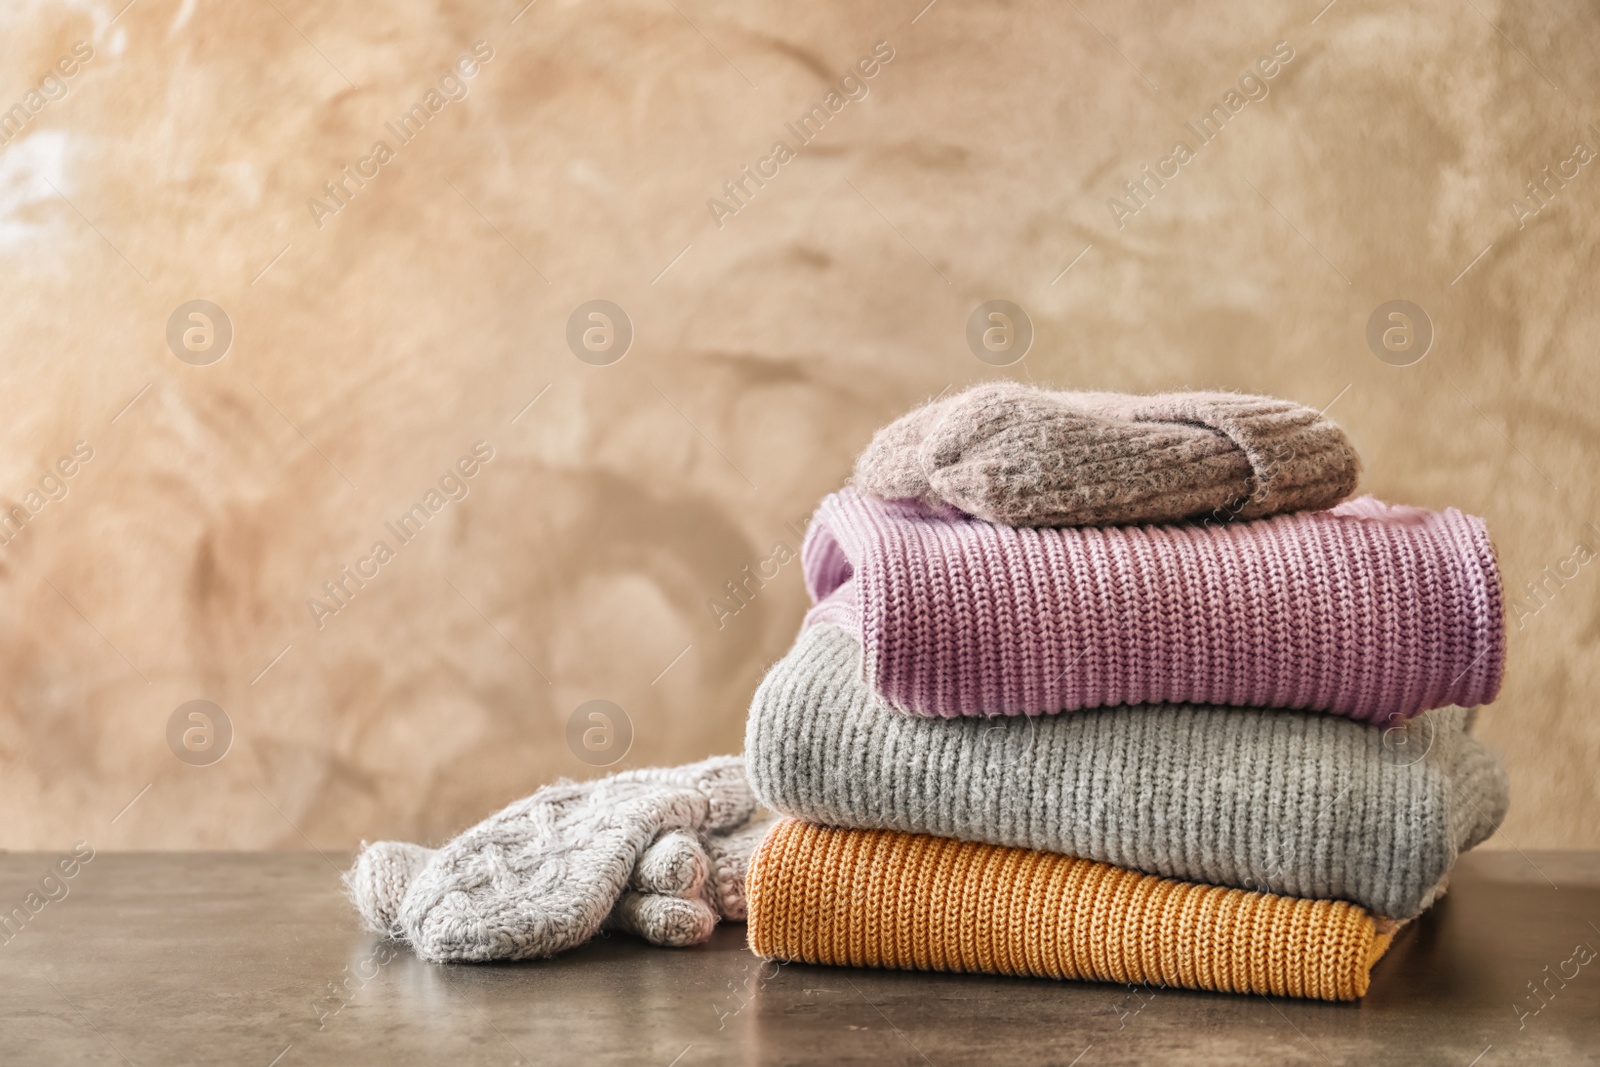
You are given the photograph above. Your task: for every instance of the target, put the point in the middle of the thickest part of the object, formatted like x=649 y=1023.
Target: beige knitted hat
x=1021 y=456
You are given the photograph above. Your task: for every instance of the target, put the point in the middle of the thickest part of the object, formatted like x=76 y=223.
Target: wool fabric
x=682 y=883
x=663 y=918
x=1015 y=454
x=874 y=898
x=543 y=874
x=666 y=900
x=710 y=866
x=1299 y=804
x=674 y=864
x=377 y=882
x=729 y=855
x=1369 y=611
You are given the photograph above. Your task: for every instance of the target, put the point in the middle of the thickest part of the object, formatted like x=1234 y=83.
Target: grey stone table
x=255 y=959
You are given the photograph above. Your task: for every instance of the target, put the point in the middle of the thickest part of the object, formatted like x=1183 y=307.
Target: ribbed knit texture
x=1369 y=611
x=1014 y=454
x=872 y=898
x=1301 y=804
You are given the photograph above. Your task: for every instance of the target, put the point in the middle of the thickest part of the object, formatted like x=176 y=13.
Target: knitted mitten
x=684 y=884
x=1020 y=456
x=378 y=882
x=542 y=875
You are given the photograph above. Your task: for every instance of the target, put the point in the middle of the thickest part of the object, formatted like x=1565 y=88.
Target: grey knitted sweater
x=1299 y=804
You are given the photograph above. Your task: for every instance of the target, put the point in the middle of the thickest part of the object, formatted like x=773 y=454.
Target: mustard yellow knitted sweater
x=879 y=898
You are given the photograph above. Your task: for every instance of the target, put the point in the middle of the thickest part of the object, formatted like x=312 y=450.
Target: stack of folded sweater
x=1116 y=688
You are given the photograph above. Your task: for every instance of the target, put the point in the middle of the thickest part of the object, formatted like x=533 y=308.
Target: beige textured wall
x=373 y=346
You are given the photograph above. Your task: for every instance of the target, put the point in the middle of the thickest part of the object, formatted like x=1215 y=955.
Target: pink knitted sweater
x=1370 y=611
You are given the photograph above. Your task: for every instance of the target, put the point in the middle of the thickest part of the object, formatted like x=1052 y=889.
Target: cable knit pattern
x=866 y=898
x=541 y=875
x=1369 y=611
x=680 y=886
x=1299 y=804
x=1015 y=454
